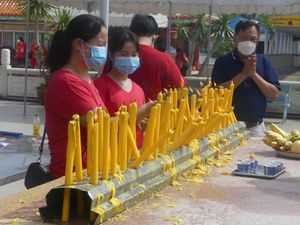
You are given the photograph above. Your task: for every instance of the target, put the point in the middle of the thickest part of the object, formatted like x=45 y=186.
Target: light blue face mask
x=97 y=57
x=127 y=65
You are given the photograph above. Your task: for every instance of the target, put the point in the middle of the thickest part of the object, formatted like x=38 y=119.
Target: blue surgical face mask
x=127 y=65
x=97 y=57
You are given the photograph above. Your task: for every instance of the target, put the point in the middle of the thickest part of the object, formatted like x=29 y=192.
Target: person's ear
x=77 y=44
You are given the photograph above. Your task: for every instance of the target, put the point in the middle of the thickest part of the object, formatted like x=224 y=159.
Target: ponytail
x=84 y=26
x=59 y=51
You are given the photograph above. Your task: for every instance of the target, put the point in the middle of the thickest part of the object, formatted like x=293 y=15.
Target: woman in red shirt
x=71 y=90
x=21 y=52
x=115 y=88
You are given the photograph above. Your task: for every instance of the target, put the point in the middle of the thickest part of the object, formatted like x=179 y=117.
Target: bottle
x=36 y=125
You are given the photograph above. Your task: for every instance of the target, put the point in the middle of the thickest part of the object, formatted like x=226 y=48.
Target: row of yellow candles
x=111 y=142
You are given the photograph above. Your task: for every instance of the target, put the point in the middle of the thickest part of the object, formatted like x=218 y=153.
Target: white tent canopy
x=271 y=7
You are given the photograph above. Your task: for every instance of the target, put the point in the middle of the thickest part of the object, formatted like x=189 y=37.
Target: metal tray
x=259 y=173
x=288 y=154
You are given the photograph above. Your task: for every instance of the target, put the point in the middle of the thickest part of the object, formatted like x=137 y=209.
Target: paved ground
x=12 y=119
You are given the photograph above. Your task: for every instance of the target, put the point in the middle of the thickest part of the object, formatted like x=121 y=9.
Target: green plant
x=60 y=20
x=223 y=48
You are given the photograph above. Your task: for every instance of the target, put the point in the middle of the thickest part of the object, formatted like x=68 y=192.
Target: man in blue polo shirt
x=253 y=76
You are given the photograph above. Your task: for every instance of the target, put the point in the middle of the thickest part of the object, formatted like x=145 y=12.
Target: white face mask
x=246 y=47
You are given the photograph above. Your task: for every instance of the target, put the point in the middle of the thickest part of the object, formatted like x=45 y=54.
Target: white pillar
x=104 y=11
x=5 y=64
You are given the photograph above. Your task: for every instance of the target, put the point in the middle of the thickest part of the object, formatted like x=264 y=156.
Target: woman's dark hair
x=117 y=37
x=84 y=27
x=144 y=25
x=244 y=24
x=21 y=39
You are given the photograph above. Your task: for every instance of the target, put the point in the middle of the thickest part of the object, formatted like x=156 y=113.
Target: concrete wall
x=281 y=61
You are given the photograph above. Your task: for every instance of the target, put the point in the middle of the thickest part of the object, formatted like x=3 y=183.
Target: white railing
x=12 y=81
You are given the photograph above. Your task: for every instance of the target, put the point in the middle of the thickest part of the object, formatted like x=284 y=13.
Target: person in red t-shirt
x=71 y=90
x=158 y=70
x=21 y=52
x=33 y=55
x=115 y=88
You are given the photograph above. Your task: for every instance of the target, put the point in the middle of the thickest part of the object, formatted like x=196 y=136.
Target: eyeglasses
x=249 y=20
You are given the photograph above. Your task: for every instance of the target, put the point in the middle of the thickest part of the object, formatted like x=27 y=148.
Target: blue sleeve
x=270 y=73
x=218 y=75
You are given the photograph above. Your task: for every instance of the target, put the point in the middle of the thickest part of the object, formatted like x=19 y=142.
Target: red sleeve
x=174 y=77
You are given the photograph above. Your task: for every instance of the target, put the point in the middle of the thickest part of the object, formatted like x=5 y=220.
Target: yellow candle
x=100 y=114
x=123 y=108
x=70 y=153
x=94 y=155
x=149 y=136
x=150 y=150
x=193 y=105
x=180 y=141
x=132 y=144
x=204 y=103
x=160 y=97
x=78 y=151
x=216 y=102
x=122 y=147
x=186 y=97
x=90 y=121
x=231 y=88
x=180 y=117
x=69 y=171
x=175 y=98
x=221 y=96
x=198 y=132
x=157 y=128
x=209 y=127
x=171 y=96
x=198 y=104
x=165 y=124
x=106 y=128
x=113 y=145
x=132 y=124
x=211 y=101
x=172 y=118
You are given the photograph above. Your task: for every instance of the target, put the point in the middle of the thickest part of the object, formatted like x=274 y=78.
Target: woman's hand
x=144 y=111
x=143 y=124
